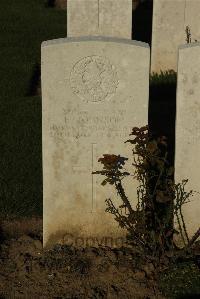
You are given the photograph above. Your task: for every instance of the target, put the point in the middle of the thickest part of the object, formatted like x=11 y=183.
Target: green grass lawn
x=24 y=24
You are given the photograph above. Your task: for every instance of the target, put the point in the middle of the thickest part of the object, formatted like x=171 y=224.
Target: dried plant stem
x=123 y=196
x=180 y=228
x=184 y=226
x=159 y=177
x=195 y=237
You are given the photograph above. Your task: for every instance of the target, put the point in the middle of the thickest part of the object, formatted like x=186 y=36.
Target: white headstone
x=187 y=156
x=94 y=91
x=99 y=18
x=171 y=18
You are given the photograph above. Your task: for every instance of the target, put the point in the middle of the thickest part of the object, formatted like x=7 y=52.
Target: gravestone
x=94 y=91
x=93 y=18
x=171 y=20
x=187 y=156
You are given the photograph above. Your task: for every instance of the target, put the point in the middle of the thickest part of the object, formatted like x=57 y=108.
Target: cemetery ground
x=29 y=271
x=26 y=270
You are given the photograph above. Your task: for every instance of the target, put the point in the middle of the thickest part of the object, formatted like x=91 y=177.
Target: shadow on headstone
x=142 y=21
x=162 y=111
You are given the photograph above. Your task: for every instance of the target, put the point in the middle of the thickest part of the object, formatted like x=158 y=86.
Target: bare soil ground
x=29 y=271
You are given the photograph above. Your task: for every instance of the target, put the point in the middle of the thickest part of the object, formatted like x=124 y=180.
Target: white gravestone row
x=176 y=23
x=94 y=91
x=171 y=20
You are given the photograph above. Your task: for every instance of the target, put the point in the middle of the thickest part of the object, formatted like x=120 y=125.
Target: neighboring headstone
x=171 y=20
x=99 y=18
x=187 y=157
x=94 y=91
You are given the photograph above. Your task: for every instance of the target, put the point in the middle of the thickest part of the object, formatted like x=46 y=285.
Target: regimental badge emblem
x=94 y=79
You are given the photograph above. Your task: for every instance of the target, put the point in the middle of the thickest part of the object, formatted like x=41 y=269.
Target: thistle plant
x=189 y=35
x=158 y=199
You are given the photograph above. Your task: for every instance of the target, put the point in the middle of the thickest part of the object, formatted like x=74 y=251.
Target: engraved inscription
x=94 y=79
x=191 y=108
x=77 y=124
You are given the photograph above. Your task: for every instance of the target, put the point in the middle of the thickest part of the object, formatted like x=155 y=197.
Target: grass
x=164 y=77
x=181 y=281
x=23 y=26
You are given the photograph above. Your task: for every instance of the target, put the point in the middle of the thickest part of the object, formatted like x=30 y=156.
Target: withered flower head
x=112 y=161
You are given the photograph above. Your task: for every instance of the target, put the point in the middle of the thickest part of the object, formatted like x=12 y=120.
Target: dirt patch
x=29 y=271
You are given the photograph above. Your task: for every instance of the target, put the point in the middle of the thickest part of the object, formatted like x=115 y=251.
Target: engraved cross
x=98 y=4
x=84 y=169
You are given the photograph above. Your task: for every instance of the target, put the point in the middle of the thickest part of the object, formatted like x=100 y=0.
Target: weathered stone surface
x=170 y=19
x=187 y=158
x=94 y=90
x=99 y=18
